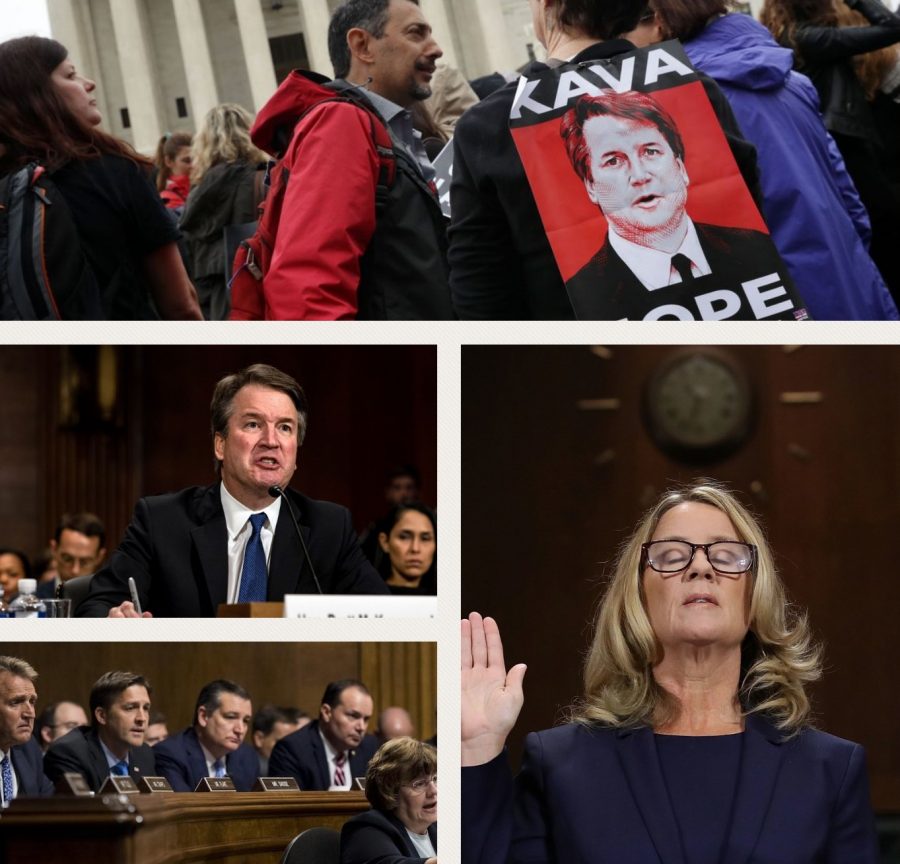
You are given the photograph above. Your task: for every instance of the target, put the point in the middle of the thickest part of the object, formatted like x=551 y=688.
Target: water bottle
x=4 y=612
x=27 y=605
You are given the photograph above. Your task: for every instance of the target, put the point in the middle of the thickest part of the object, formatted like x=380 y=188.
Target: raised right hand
x=491 y=696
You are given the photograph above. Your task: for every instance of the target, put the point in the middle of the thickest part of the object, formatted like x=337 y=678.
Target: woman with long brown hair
x=830 y=53
x=48 y=114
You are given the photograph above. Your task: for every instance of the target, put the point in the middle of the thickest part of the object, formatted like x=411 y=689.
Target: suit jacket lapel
x=97 y=757
x=761 y=757
x=321 y=757
x=637 y=753
x=287 y=563
x=211 y=542
x=196 y=759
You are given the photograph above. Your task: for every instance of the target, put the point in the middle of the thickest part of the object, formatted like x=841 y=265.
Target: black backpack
x=44 y=274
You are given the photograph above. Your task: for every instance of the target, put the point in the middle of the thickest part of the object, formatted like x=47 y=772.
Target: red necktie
x=339 y=778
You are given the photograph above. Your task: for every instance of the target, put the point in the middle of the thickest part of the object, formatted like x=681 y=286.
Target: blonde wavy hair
x=778 y=657
x=224 y=137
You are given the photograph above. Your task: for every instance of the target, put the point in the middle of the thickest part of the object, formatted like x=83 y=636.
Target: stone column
x=435 y=12
x=316 y=17
x=198 y=68
x=482 y=30
x=138 y=74
x=255 y=42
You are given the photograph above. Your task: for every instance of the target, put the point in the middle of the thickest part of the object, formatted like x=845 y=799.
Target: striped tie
x=339 y=777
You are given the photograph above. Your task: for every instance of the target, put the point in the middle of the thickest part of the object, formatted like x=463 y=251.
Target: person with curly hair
x=832 y=50
x=227 y=179
x=692 y=740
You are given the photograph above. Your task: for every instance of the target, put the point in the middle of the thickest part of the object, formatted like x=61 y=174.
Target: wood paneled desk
x=167 y=828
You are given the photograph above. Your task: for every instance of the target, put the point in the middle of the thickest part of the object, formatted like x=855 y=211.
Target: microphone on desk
x=276 y=492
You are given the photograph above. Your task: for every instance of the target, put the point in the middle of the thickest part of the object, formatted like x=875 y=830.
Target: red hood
x=274 y=126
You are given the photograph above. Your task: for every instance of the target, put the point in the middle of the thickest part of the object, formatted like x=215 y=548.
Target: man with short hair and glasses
x=58 y=719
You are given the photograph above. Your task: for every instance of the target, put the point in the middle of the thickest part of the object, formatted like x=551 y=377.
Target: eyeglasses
x=418 y=787
x=68 y=726
x=728 y=557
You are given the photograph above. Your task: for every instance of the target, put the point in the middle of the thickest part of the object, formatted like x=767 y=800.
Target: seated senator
x=332 y=751
x=692 y=741
x=214 y=746
x=401 y=827
x=234 y=542
x=114 y=742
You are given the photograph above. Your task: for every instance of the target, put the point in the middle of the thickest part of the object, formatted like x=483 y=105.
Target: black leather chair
x=75 y=589
x=314 y=846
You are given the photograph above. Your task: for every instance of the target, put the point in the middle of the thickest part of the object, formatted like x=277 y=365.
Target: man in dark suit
x=214 y=746
x=234 y=542
x=656 y=263
x=78 y=547
x=21 y=768
x=331 y=752
x=114 y=742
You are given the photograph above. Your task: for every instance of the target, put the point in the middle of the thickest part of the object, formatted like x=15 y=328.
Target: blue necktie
x=120 y=769
x=6 y=771
x=253 y=575
x=219 y=767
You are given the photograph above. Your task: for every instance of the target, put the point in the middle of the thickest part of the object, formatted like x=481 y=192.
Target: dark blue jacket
x=302 y=755
x=810 y=204
x=597 y=796
x=181 y=761
x=375 y=837
x=28 y=763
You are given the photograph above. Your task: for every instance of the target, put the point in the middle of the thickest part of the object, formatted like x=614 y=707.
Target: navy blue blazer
x=597 y=796
x=380 y=837
x=79 y=751
x=180 y=760
x=28 y=763
x=302 y=755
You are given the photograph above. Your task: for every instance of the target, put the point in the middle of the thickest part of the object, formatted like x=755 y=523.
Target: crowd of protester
x=809 y=107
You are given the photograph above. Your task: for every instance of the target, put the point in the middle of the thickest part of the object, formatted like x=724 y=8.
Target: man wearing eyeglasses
x=57 y=719
x=78 y=548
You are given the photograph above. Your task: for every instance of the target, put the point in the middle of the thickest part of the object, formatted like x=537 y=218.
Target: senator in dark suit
x=80 y=752
x=181 y=761
x=28 y=763
x=190 y=551
x=214 y=746
x=606 y=289
x=302 y=755
x=120 y=712
x=692 y=741
x=22 y=774
x=344 y=716
x=401 y=827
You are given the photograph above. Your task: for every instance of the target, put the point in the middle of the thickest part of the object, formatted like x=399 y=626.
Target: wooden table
x=167 y=828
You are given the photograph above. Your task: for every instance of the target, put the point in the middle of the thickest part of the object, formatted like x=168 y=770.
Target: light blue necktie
x=120 y=769
x=253 y=574
x=6 y=771
x=219 y=764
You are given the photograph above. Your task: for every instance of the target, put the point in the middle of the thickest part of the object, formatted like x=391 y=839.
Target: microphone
x=277 y=491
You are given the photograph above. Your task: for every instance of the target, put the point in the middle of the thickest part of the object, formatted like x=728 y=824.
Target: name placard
x=72 y=783
x=358 y=606
x=153 y=784
x=216 y=784
x=275 y=784
x=119 y=785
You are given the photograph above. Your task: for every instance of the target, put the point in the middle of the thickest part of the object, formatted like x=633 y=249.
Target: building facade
x=160 y=65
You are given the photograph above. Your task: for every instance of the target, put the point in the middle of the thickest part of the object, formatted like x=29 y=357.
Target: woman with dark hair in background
x=409 y=543
x=401 y=827
x=227 y=175
x=692 y=741
x=14 y=566
x=48 y=114
x=173 y=174
x=832 y=56
x=809 y=202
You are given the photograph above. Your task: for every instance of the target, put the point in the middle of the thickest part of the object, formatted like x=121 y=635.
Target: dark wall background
x=549 y=490
x=94 y=428
x=283 y=673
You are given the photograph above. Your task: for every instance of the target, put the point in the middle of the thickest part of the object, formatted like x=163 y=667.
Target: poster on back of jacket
x=643 y=203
